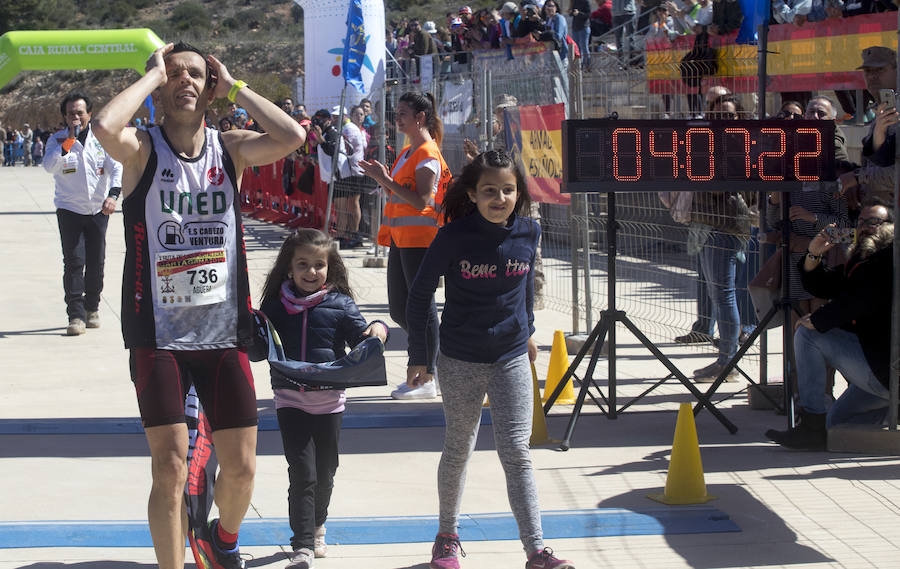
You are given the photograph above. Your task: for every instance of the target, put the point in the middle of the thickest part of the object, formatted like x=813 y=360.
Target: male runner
x=185 y=295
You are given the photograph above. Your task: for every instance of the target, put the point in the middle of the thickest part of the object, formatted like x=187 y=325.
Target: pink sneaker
x=545 y=559
x=444 y=553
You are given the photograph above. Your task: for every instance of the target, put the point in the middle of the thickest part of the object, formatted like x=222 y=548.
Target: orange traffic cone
x=559 y=363
x=684 y=482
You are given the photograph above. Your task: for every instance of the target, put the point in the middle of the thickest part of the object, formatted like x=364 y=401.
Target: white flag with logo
x=456 y=104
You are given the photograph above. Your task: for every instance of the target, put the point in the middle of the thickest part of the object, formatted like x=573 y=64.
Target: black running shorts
x=222 y=379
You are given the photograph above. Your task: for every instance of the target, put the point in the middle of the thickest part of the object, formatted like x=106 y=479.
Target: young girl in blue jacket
x=307 y=299
x=486 y=253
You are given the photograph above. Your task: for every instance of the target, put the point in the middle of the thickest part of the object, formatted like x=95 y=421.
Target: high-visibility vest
x=402 y=223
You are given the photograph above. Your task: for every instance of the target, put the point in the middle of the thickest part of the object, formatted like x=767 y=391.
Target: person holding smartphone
x=813 y=207
x=852 y=333
x=879 y=68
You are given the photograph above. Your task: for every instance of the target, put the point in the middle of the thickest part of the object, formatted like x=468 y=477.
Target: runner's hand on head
x=224 y=80
x=156 y=61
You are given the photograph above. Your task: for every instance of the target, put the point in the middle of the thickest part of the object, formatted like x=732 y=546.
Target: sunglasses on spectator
x=873 y=221
x=787 y=115
x=723 y=115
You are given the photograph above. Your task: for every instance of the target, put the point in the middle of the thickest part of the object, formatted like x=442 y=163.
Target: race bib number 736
x=191 y=278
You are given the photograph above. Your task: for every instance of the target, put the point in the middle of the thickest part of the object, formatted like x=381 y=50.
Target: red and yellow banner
x=816 y=56
x=535 y=138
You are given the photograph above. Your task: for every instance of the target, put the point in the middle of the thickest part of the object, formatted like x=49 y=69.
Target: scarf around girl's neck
x=296 y=304
x=301 y=304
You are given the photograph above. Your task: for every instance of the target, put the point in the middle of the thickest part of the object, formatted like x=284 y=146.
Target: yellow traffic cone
x=684 y=482
x=559 y=363
x=539 y=435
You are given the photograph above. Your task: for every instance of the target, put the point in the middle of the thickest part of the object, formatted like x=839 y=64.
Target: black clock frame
x=592 y=169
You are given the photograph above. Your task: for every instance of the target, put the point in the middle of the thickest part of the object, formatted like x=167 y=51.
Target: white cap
x=430 y=27
x=336 y=110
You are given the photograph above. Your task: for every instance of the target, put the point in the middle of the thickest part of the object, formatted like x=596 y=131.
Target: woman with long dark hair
x=415 y=186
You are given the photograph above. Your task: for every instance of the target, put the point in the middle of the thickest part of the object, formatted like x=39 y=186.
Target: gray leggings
x=509 y=387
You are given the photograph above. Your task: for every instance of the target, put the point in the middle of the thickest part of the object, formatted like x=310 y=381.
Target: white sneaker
x=320 y=548
x=426 y=391
x=301 y=559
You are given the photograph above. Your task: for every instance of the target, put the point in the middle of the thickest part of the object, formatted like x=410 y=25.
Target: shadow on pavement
x=113 y=564
x=108 y=564
x=57 y=331
x=745 y=458
x=759 y=525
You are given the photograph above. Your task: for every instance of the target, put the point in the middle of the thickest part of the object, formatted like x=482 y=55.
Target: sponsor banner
x=75 y=49
x=534 y=134
x=815 y=56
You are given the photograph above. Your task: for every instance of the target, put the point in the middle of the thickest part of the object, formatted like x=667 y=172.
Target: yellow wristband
x=232 y=93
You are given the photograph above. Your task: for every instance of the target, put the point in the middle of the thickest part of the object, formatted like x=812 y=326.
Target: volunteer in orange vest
x=415 y=186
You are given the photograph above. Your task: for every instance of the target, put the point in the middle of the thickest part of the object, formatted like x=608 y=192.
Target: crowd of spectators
x=466 y=30
x=22 y=145
x=353 y=194
x=583 y=26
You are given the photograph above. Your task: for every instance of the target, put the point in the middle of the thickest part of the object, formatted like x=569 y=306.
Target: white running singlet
x=185 y=285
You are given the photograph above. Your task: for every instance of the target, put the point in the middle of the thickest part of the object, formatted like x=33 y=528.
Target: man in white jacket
x=88 y=183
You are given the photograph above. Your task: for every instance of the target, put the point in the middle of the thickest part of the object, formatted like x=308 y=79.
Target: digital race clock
x=603 y=155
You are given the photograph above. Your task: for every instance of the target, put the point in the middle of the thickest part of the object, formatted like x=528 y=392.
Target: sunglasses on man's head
x=873 y=221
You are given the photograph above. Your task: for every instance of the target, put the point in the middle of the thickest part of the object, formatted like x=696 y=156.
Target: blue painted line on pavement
x=398 y=418
x=561 y=524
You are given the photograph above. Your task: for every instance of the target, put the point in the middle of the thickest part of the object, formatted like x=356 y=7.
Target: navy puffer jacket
x=332 y=326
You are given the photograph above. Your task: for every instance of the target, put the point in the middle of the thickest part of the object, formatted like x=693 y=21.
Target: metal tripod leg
x=602 y=327
x=702 y=399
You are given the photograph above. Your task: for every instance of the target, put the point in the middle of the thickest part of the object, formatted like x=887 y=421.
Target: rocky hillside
x=260 y=41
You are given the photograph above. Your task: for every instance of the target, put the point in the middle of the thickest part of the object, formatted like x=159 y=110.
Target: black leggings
x=311 y=449
x=403 y=264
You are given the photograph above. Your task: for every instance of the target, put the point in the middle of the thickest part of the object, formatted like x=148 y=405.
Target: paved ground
x=794 y=509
